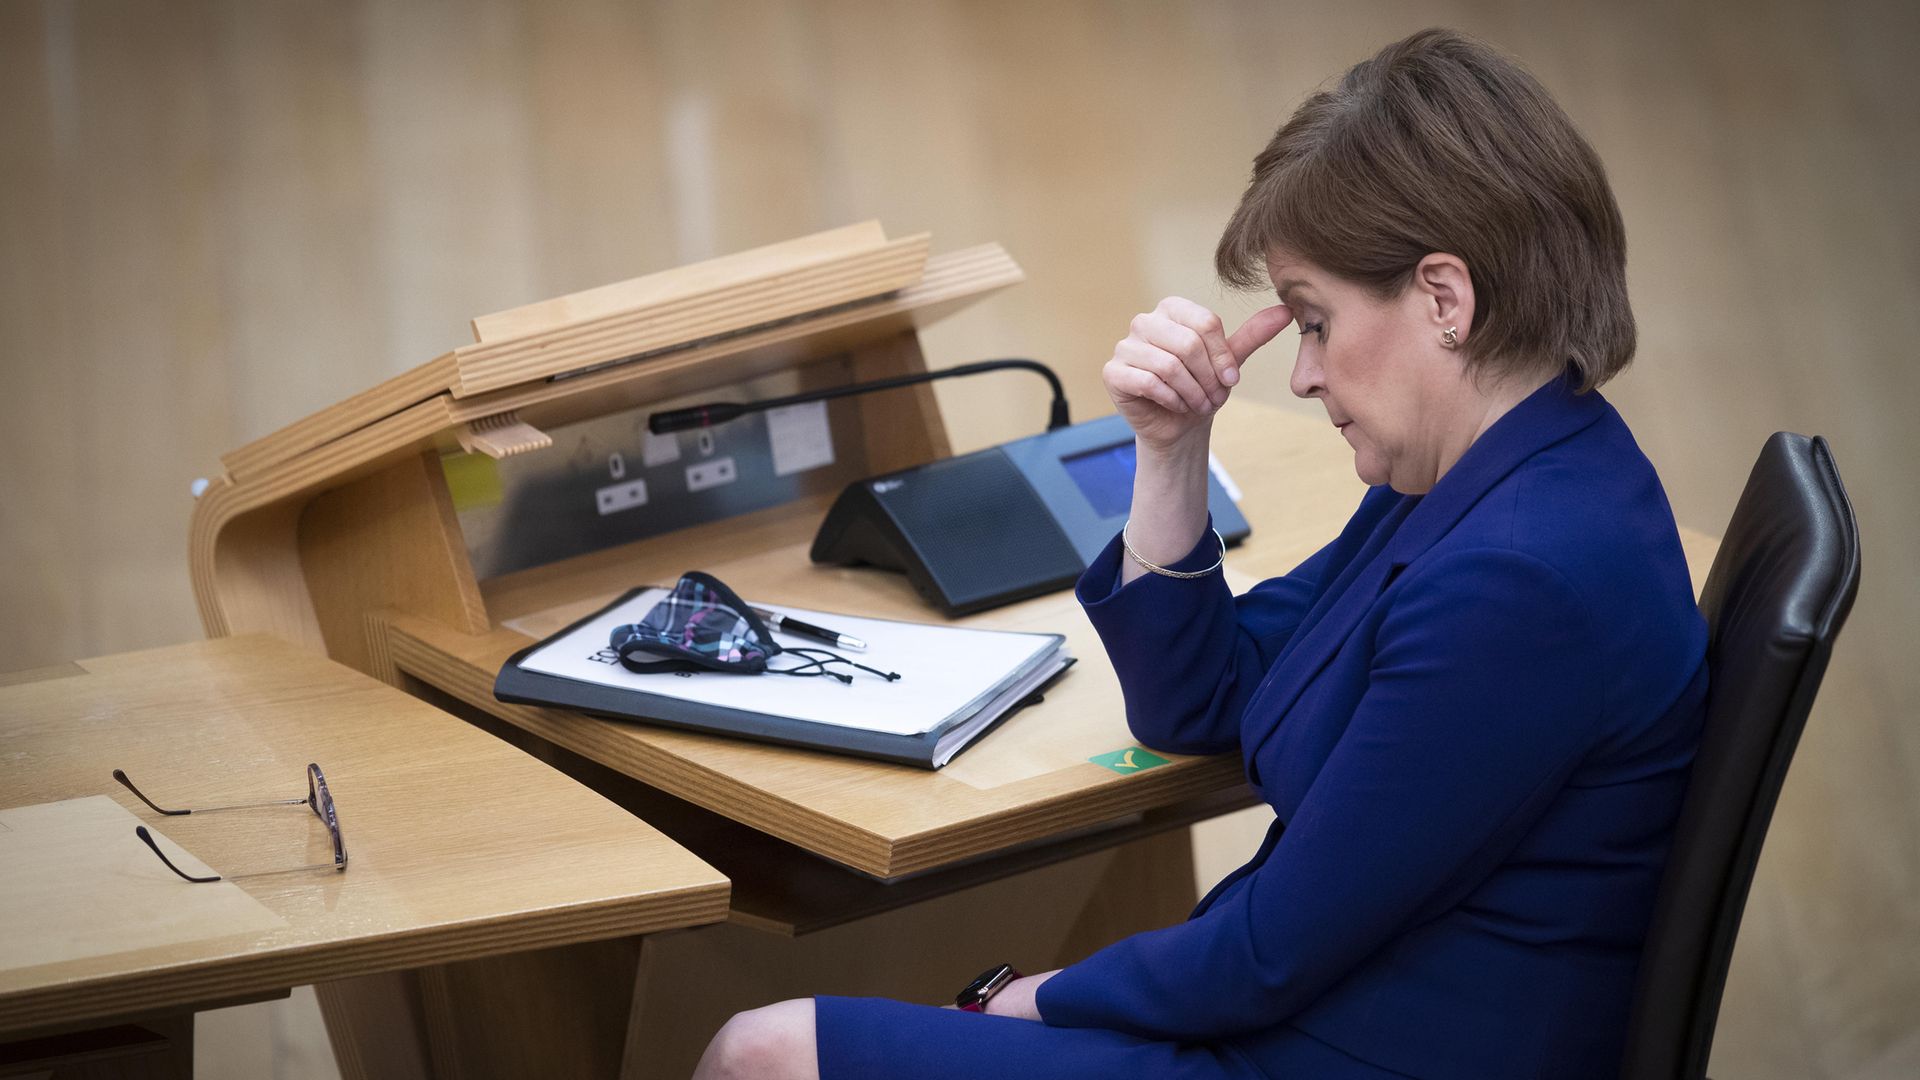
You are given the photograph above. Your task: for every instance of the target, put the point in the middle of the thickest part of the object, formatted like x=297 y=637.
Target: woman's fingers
x=1156 y=356
x=1183 y=360
x=1179 y=358
x=1213 y=338
x=1128 y=380
x=1261 y=327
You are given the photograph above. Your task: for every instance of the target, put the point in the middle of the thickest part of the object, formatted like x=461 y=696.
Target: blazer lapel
x=1548 y=416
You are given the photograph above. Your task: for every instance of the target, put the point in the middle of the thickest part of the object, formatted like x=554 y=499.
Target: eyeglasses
x=318 y=799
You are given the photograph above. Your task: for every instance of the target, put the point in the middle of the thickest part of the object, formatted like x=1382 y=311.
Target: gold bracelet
x=1126 y=545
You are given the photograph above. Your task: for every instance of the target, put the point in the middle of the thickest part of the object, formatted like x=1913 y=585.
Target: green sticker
x=473 y=480
x=1131 y=760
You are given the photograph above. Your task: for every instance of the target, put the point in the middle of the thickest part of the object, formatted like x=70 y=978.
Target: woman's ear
x=1445 y=293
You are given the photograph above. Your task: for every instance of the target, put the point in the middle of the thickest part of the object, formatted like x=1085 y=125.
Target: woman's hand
x=1016 y=999
x=1177 y=366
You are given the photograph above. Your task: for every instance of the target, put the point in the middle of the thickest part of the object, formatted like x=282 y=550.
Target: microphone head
x=694 y=416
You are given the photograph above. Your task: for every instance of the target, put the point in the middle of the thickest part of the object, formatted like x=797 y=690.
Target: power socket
x=711 y=474
x=617 y=497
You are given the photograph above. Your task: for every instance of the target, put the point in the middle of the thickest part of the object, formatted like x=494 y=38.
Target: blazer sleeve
x=1188 y=653
x=1482 y=697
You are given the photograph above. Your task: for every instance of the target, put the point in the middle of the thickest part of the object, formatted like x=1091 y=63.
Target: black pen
x=819 y=633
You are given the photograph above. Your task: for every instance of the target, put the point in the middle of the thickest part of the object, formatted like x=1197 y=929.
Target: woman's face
x=1397 y=394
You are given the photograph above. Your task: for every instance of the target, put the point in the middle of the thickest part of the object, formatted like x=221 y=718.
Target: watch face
x=985 y=986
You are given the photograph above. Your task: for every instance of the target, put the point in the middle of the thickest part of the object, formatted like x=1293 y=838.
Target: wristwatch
x=981 y=990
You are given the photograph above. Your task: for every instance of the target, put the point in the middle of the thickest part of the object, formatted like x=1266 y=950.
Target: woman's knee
x=771 y=1043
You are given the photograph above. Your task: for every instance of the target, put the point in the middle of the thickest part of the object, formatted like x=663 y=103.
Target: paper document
x=78 y=883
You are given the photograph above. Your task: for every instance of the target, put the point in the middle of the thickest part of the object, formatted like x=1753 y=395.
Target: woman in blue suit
x=1472 y=712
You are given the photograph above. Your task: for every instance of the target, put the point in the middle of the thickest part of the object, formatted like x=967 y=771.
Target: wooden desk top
x=1029 y=781
x=459 y=845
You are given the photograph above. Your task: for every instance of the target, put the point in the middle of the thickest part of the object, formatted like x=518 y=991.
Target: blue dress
x=1473 y=714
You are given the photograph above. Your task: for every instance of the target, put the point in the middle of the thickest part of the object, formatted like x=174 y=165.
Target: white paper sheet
x=78 y=883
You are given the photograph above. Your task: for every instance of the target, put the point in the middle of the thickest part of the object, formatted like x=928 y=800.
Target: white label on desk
x=800 y=436
x=659 y=449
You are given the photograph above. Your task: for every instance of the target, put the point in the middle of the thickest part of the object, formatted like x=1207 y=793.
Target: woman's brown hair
x=1442 y=144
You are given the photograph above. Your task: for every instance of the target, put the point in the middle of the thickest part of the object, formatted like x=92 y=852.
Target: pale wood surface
x=374 y=1025
x=783 y=889
x=751 y=297
x=886 y=820
x=459 y=846
x=386 y=540
x=680 y=282
x=555 y=1012
x=364 y=407
x=939 y=286
x=219 y=217
x=76 y=889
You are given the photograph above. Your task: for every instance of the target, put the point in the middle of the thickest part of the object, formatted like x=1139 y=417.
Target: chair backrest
x=1776 y=597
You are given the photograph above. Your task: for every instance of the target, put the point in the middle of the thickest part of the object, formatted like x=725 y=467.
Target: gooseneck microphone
x=719 y=412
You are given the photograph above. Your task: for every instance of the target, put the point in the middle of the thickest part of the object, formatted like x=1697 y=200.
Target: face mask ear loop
x=831 y=658
x=801 y=669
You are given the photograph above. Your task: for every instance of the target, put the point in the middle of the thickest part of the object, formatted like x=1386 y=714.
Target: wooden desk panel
x=460 y=846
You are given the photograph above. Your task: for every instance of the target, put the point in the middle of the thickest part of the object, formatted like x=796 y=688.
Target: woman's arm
x=1188 y=653
x=1175 y=368
x=1482 y=696
x=1016 y=998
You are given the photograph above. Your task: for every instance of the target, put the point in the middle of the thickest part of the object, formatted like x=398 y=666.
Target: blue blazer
x=1473 y=715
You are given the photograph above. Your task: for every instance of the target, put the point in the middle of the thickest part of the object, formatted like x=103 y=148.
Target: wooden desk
x=460 y=847
x=1029 y=781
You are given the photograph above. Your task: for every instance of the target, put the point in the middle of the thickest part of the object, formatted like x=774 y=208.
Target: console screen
x=1105 y=477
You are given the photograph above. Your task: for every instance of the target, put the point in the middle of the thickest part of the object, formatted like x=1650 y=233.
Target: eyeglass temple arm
x=138 y=794
x=122 y=777
x=147 y=839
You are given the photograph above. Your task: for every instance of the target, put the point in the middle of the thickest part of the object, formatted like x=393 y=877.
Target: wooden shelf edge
x=962 y=275
x=367 y=407
x=800 y=252
x=952 y=281
x=262 y=589
x=299 y=965
x=786 y=293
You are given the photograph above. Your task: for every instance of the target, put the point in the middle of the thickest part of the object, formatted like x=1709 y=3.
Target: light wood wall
x=217 y=217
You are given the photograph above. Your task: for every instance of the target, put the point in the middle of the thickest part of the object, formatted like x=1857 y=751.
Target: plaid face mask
x=703 y=626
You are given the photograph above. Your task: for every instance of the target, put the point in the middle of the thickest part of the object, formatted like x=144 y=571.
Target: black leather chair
x=1778 y=593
